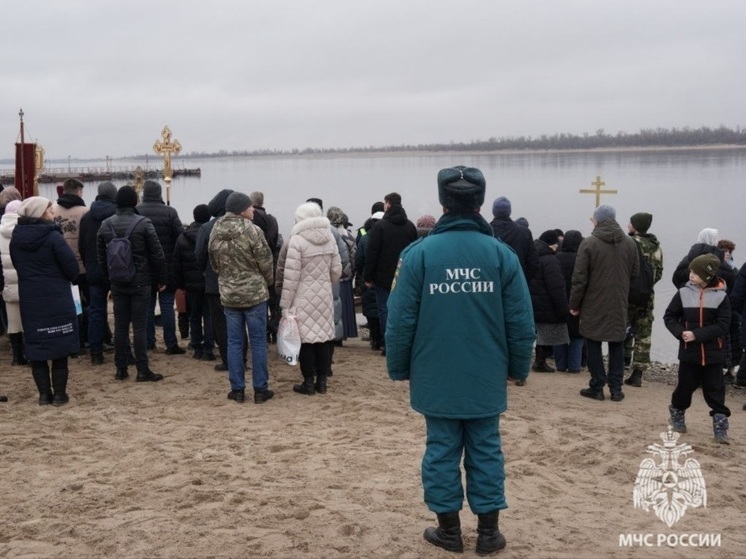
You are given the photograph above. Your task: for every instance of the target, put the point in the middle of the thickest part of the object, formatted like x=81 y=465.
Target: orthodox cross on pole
x=166 y=147
x=598 y=190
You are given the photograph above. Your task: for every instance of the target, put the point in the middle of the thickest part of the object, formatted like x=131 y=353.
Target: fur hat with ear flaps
x=461 y=189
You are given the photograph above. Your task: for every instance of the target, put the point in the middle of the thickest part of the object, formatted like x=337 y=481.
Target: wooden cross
x=166 y=148
x=597 y=191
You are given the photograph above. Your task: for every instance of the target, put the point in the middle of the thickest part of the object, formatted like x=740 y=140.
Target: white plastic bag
x=288 y=339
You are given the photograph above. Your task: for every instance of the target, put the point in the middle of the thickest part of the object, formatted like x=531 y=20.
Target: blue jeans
x=478 y=440
x=97 y=317
x=238 y=320
x=382 y=300
x=597 y=369
x=569 y=356
x=168 y=317
x=201 y=337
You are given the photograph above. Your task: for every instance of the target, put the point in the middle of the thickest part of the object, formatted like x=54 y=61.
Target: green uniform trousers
x=478 y=440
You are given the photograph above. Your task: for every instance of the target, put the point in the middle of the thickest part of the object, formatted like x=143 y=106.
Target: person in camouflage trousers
x=637 y=343
x=240 y=256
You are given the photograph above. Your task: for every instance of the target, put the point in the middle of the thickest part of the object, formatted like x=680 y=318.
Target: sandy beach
x=174 y=469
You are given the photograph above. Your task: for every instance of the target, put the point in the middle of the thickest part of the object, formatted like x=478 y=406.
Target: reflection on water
x=685 y=191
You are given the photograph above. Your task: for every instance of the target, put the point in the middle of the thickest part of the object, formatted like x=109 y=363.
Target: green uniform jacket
x=241 y=258
x=460 y=320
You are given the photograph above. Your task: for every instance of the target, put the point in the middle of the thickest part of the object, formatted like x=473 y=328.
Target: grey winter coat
x=606 y=261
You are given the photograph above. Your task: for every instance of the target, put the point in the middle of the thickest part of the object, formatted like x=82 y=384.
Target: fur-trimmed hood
x=315 y=230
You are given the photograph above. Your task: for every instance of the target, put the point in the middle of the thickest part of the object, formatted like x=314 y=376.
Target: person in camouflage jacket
x=637 y=343
x=242 y=260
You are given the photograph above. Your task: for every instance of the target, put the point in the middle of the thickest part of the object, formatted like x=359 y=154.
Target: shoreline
x=426 y=153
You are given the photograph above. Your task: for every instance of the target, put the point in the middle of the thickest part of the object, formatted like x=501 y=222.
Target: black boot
x=540 y=364
x=97 y=358
x=448 y=533
x=375 y=334
x=16 y=342
x=635 y=379
x=489 y=538
x=121 y=373
x=305 y=388
x=146 y=375
x=59 y=382
x=40 y=372
x=320 y=385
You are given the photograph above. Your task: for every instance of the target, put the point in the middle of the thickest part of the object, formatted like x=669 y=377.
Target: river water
x=685 y=190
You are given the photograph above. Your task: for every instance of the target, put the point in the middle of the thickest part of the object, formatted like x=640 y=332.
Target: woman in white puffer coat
x=312 y=264
x=10 y=278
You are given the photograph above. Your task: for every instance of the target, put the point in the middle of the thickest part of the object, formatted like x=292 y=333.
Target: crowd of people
x=425 y=289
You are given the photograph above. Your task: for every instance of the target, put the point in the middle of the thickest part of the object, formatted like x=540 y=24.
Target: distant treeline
x=648 y=137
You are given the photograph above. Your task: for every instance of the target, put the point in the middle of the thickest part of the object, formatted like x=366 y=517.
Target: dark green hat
x=641 y=221
x=706 y=266
x=461 y=188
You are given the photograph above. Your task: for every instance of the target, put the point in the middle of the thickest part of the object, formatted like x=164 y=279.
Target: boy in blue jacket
x=699 y=317
x=460 y=323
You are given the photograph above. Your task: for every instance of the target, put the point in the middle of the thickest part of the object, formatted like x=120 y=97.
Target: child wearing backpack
x=699 y=317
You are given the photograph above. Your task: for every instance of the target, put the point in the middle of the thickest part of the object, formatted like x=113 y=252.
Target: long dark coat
x=566 y=256
x=606 y=262
x=547 y=288
x=46 y=266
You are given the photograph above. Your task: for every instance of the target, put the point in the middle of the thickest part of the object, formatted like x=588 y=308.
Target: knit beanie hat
x=426 y=222
x=237 y=202
x=641 y=221
x=307 y=211
x=151 y=190
x=522 y=221
x=336 y=216
x=604 y=213
x=9 y=193
x=12 y=206
x=126 y=197
x=501 y=207
x=217 y=204
x=318 y=201
x=34 y=207
x=461 y=188
x=377 y=207
x=550 y=237
x=201 y=213
x=705 y=266
x=107 y=191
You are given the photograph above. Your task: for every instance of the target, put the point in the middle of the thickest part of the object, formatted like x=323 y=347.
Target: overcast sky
x=98 y=78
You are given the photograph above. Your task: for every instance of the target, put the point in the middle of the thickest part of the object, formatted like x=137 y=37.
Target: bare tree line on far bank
x=647 y=137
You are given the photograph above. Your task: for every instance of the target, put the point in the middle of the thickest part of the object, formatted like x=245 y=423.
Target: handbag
x=288 y=339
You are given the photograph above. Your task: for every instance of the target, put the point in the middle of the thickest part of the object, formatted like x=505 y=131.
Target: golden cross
x=597 y=191
x=166 y=148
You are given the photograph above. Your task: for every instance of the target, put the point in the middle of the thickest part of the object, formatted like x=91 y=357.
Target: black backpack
x=119 y=262
x=641 y=286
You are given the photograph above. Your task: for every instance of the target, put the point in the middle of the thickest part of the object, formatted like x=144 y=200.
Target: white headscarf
x=709 y=237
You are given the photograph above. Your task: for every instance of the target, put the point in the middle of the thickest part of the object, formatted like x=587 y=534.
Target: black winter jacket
x=147 y=254
x=186 y=272
x=566 y=256
x=704 y=312
x=681 y=274
x=367 y=294
x=89 y=226
x=203 y=258
x=548 y=289
x=392 y=234
x=167 y=226
x=46 y=265
x=520 y=239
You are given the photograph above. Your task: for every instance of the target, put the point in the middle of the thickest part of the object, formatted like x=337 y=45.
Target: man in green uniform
x=460 y=323
x=637 y=343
